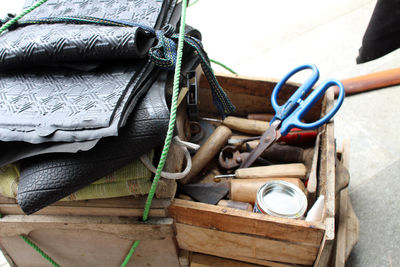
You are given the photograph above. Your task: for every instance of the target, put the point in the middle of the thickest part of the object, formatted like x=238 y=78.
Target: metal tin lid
x=282 y=199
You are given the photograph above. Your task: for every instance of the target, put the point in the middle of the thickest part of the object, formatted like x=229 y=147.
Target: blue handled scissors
x=289 y=115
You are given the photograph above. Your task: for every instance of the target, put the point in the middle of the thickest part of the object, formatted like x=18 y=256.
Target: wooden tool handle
x=279 y=153
x=370 y=81
x=245 y=190
x=260 y=116
x=293 y=170
x=245 y=125
x=207 y=151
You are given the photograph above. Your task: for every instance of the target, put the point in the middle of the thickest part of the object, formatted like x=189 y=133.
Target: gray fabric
x=74 y=101
x=43 y=43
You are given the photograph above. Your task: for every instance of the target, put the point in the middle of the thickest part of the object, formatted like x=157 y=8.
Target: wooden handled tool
x=245 y=190
x=255 y=127
x=283 y=153
x=260 y=116
x=370 y=81
x=293 y=170
x=207 y=151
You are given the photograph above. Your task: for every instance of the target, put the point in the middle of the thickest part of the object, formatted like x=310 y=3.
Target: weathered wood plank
x=203 y=260
x=251 y=94
x=89 y=249
x=124 y=227
x=14 y=209
x=327 y=183
x=243 y=247
x=240 y=221
x=118 y=202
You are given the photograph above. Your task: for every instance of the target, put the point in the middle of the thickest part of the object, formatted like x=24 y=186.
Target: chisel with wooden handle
x=255 y=127
x=294 y=170
x=245 y=190
x=207 y=151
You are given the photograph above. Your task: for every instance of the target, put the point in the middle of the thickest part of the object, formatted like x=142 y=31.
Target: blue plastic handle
x=284 y=110
x=292 y=115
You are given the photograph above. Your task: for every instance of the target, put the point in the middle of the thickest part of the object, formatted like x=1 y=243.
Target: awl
x=294 y=170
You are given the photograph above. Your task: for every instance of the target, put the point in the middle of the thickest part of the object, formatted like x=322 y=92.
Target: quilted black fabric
x=72 y=90
x=48 y=178
x=44 y=43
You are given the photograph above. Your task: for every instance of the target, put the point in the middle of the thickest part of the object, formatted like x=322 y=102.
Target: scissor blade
x=266 y=140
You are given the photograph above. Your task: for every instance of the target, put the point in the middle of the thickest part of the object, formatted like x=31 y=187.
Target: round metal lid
x=282 y=199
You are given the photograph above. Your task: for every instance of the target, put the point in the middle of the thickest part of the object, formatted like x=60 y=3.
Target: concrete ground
x=269 y=38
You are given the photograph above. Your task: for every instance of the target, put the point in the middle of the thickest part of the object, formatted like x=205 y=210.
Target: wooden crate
x=252 y=237
x=89 y=233
x=101 y=232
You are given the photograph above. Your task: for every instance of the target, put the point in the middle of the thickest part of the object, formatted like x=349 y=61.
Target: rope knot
x=164 y=53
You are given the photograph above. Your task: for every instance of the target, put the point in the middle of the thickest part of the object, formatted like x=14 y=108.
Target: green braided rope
x=172 y=117
x=41 y=252
x=171 y=125
x=223 y=65
x=23 y=13
x=168 y=138
x=131 y=251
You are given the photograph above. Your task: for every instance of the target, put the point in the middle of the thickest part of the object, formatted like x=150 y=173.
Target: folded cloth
x=60 y=97
x=45 y=179
x=132 y=179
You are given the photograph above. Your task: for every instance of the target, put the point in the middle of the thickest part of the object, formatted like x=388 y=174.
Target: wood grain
x=14 y=209
x=89 y=249
x=203 y=260
x=243 y=247
x=124 y=227
x=245 y=190
x=240 y=221
x=250 y=94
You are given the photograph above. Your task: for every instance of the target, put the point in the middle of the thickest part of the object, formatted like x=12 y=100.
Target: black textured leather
x=48 y=178
x=67 y=97
x=44 y=43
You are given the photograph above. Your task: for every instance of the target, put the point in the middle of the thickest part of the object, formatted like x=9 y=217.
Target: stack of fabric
x=79 y=97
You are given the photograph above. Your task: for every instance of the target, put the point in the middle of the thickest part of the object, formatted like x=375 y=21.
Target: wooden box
x=252 y=237
x=89 y=233
x=101 y=232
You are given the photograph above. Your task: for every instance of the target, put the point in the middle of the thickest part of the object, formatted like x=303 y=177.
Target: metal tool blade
x=266 y=140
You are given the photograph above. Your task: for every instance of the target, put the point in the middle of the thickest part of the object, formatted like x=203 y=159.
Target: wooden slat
x=327 y=184
x=243 y=247
x=203 y=260
x=124 y=227
x=251 y=94
x=14 y=209
x=118 y=202
x=240 y=221
x=313 y=176
x=89 y=249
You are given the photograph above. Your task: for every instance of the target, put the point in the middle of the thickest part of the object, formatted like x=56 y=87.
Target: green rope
x=131 y=251
x=23 y=13
x=223 y=65
x=172 y=117
x=171 y=125
x=168 y=138
x=41 y=252
x=194 y=2
x=2 y=29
